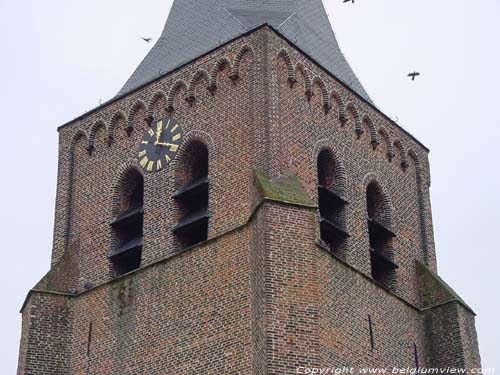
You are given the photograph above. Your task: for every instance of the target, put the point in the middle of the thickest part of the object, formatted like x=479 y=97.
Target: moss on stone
x=43 y=284
x=433 y=289
x=287 y=188
x=62 y=275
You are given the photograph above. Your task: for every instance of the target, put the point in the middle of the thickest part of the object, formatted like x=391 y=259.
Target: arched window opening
x=192 y=196
x=331 y=205
x=381 y=237
x=127 y=225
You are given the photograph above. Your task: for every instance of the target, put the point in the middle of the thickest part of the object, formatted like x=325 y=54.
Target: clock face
x=160 y=144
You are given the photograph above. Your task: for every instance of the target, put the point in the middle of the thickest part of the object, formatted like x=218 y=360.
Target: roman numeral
x=176 y=137
x=144 y=161
x=150 y=166
x=174 y=148
x=174 y=128
x=151 y=132
x=158 y=165
x=142 y=153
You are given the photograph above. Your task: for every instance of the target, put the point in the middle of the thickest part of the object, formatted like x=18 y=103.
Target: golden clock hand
x=166 y=144
x=158 y=133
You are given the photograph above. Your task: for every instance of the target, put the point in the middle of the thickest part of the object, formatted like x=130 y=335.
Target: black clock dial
x=160 y=144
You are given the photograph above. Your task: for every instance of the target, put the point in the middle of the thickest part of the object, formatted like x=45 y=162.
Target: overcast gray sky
x=60 y=57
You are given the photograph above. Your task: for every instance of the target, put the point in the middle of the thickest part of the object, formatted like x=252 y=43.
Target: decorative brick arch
x=325 y=97
x=339 y=169
x=93 y=131
x=299 y=68
x=235 y=70
x=133 y=111
x=400 y=148
x=335 y=96
x=289 y=66
x=373 y=131
x=112 y=124
x=357 y=121
x=413 y=157
x=176 y=87
x=193 y=136
x=388 y=144
x=79 y=135
x=387 y=206
x=195 y=80
x=151 y=105
x=218 y=67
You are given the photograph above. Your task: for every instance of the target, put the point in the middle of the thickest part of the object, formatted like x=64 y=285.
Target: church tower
x=242 y=207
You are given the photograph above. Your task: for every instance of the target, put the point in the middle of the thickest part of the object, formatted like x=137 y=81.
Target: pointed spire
x=196 y=27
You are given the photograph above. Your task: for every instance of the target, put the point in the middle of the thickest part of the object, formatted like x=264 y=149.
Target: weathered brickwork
x=47 y=335
x=262 y=295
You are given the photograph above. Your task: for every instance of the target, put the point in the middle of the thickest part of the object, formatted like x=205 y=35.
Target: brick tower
x=292 y=229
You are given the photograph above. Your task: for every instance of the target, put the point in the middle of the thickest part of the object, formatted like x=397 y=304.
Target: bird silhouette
x=413 y=75
x=147 y=40
x=349 y=1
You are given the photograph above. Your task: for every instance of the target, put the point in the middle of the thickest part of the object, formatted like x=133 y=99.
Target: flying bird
x=147 y=40
x=349 y=1
x=413 y=75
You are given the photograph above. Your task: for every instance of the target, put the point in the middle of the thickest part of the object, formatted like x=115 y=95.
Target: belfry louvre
x=242 y=207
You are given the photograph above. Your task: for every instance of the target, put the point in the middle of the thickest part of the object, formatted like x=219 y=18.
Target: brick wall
x=301 y=129
x=191 y=314
x=47 y=335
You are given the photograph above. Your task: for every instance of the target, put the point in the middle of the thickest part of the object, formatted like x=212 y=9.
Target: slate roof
x=195 y=27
